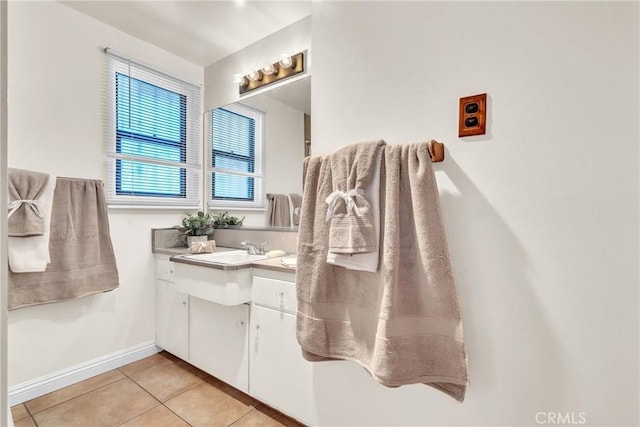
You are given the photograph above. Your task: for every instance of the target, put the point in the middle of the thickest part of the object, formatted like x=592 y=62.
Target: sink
x=227 y=258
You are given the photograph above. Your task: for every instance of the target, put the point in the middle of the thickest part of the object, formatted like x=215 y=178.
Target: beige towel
x=26 y=211
x=403 y=322
x=29 y=254
x=352 y=228
x=295 y=200
x=367 y=261
x=278 y=210
x=82 y=258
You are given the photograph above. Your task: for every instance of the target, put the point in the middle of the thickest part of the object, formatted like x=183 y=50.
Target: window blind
x=234 y=138
x=153 y=137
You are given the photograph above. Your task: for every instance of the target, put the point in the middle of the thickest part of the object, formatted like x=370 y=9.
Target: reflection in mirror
x=262 y=182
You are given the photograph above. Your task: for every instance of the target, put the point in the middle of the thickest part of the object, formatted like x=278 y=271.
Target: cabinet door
x=172 y=320
x=279 y=374
x=219 y=340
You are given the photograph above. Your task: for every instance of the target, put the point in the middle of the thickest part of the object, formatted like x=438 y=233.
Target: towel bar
x=436 y=150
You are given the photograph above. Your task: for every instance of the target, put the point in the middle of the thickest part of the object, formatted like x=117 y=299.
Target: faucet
x=253 y=249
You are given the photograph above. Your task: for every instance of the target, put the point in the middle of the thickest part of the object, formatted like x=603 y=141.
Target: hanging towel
x=402 y=323
x=26 y=208
x=27 y=251
x=367 y=261
x=278 y=211
x=351 y=228
x=82 y=258
x=295 y=200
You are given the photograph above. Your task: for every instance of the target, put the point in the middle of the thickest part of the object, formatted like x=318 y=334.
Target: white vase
x=195 y=239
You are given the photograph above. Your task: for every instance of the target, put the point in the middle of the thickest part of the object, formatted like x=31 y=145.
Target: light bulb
x=270 y=69
x=286 y=61
x=239 y=80
x=255 y=75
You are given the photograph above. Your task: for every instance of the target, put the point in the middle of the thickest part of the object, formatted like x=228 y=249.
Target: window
x=153 y=144
x=234 y=143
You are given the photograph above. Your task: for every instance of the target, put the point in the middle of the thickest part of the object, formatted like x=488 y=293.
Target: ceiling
x=201 y=32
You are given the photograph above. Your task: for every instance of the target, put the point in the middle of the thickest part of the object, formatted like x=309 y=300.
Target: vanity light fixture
x=287 y=66
x=286 y=61
x=270 y=69
x=239 y=80
x=255 y=76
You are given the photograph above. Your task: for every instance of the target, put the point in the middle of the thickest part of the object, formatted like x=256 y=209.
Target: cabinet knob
x=240 y=323
x=184 y=303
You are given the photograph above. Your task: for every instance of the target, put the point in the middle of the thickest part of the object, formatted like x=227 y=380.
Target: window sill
x=153 y=207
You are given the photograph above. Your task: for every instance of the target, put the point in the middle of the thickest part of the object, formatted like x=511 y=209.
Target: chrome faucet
x=252 y=248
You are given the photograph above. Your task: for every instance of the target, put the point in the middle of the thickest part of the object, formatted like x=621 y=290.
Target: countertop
x=267 y=264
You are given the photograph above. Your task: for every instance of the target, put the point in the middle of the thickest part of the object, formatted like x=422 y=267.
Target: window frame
x=258 y=201
x=190 y=143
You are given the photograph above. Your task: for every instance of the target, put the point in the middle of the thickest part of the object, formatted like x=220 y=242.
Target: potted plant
x=197 y=227
x=223 y=220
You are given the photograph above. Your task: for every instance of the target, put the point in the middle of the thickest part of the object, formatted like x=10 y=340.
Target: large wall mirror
x=282 y=118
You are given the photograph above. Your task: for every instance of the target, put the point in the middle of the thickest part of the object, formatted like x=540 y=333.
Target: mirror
x=287 y=140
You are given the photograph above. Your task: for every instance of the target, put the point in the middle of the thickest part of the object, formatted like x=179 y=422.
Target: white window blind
x=234 y=141
x=153 y=140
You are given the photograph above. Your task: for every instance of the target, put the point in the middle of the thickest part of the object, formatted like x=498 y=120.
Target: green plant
x=199 y=224
x=223 y=219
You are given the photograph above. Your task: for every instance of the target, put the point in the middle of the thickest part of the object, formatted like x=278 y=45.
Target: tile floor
x=159 y=391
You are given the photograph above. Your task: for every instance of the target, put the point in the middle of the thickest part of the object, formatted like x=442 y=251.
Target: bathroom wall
x=284 y=134
x=55 y=112
x=219 y=91
x=291 y=39
x=5 y=414
x=541 y=212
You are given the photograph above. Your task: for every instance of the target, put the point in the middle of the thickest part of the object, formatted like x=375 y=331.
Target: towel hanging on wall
x=402 y=323
x=29 y=219
x=30 y=197
x=82 y=258
x=283 y=209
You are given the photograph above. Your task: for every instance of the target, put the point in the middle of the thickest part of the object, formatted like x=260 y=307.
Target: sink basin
x=227 y=258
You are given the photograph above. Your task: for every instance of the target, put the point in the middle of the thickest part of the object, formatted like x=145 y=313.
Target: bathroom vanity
x=237 y=323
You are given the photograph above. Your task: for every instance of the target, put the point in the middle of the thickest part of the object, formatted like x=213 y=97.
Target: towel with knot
x=30 y=206
x=82 y=257
x=26 y=205
x=350 y=215
x=402 y=323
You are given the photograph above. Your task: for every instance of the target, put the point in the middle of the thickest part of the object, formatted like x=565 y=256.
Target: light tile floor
x=158 y=391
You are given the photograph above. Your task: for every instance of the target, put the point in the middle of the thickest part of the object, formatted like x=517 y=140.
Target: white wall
x=5 y=414
x=55 y=109
x=284 y=149
x=220 y=91
x=218 y=76
x=541 y=213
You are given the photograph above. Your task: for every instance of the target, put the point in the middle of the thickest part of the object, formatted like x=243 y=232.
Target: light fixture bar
x=280 y=72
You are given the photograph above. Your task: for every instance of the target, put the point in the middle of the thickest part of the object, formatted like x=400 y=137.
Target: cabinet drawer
x=164 y=270
x=276 y=294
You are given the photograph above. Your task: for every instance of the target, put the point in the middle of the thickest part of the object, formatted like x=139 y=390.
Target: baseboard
x=35 y=388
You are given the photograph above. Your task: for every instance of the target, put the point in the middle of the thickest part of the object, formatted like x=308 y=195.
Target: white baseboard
x=35 y=388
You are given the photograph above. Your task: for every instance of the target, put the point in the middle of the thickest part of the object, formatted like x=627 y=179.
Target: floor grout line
x=70 y=399
x=253 y=408
x=178 y=415
x=161 y=402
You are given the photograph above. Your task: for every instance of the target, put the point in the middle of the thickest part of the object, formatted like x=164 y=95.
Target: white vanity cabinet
x=278 y=373
x=189 y=324
x=238 y=325
x=218 y=341
x=172 y=311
